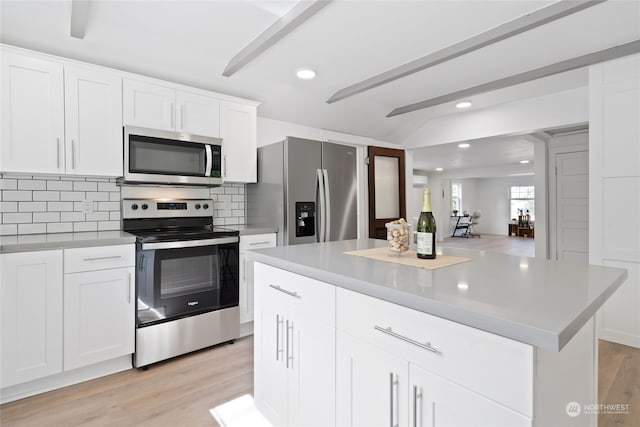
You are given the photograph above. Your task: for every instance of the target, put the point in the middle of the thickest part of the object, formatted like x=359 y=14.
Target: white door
x=32 y=115
x=198 y=114
x=93 y=117
x=436 y=402
x=238 y=132
x=311 y=378
x=31 y=316
x=148 y=105
x=572 y=207
x=99 y=315
x=371 y=385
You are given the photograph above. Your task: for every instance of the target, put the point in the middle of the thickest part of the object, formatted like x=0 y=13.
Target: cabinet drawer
x=99 y=258
x=257 y=241
x=494 y=366
x=317 y=300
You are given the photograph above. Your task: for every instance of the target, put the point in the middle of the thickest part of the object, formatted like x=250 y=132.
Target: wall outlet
x=88 y=206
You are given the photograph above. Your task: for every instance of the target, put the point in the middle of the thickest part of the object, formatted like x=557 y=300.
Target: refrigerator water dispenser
x=305 y=219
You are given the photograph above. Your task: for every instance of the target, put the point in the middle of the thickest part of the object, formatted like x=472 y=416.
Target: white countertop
x=539 y=302
x=42 y=242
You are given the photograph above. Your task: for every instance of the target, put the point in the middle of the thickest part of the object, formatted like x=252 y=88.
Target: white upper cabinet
x=149 y=105
x=32 y=115
x=162 y=107
x=239 y=136
x=197 y=114
x=93 y=117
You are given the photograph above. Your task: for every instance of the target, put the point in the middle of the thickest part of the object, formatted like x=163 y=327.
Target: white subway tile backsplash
x=85 y=226
x=17 y=217
x=52 y=196
x=29 y=184
x=97 y=196
x=114 y=197
x=72 y=217
x=60 y=206
x=78 y=206
x=107 y=186
x=17 y=195
x=8 y=229
x=72 y=178
x=60 y=185
x=217 y=190
x=108 y=206
x=230 y=190
x=8 y=206
x=237 y=212
x=114 y=216
x=59 y=227
x=218 y=221
x=224 y=197
x=46 y=217
x=237 y=198
x=32 y=228
x=231 y=221
x=32 y=206
x=72 y=196
x=108 y=225
x=85 y=186
x=98 y=216
x=8 y=184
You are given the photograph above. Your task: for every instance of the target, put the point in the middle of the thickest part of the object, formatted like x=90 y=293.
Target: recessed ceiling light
x=524 y=162
x=463 y=286
x=464 y=145
x=439 y=169
x=463 y=104
x=305 y=74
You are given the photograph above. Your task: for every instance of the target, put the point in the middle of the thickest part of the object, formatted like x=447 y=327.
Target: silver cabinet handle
x=393 y=412
x=244 y=268
x=417 y=396
x=278 y=323
x=58 y=152
x=259 y=243
x=181 y=116
x=426 y=346
x=224 y=164
x=289 y=351
x=129 y=292
x=73 y=154
x=102 y=258
x=171 y=116
x=290 y=293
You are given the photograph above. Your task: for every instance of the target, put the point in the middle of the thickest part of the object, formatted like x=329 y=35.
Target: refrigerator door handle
x=320 y=210
x=327 y=214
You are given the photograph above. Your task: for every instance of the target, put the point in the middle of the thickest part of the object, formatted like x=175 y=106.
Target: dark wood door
x=386 y=189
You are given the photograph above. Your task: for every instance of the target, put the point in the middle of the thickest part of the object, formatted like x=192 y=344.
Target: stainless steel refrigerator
x=308 y=189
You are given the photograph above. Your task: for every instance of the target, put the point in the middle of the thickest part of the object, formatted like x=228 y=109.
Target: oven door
x=177 y=279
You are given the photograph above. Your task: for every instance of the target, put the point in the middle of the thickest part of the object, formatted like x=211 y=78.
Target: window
x=456 y=197
x=523 y=198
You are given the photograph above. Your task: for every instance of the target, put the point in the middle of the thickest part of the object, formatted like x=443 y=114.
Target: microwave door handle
x=207 y=168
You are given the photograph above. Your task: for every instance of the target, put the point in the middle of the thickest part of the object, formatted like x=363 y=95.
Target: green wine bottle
x=426 y=228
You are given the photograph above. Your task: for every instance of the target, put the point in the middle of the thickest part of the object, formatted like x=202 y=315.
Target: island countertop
x=538 y=302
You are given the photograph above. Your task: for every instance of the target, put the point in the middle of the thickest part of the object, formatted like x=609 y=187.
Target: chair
x=475 y=220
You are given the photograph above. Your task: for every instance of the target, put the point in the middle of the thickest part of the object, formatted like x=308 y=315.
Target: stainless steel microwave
x=154 y=156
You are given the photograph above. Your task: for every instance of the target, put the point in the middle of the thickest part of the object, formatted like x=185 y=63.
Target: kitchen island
x=498 y=340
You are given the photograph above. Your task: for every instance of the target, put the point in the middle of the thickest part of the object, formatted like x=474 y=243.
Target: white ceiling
x=191 y=42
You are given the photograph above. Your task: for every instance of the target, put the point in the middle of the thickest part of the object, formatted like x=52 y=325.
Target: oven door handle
x=190 y=243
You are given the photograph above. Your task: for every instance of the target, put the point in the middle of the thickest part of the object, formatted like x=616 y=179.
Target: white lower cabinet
x=294 y=349
x=251 y=241
x=98 y=316
x=31 y=304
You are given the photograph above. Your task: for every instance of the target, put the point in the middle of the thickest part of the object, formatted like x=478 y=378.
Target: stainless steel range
x=186 y=278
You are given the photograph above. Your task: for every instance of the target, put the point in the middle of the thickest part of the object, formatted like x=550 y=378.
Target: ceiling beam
x=519 y=25
x=79 y=17
x=548 y=70
x=283 y=26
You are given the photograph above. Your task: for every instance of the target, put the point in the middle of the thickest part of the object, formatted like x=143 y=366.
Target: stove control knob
x=205 y=206
x=134 y=206
x=197 y=205
x=145 y=206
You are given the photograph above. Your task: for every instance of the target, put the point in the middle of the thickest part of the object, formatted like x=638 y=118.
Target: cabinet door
x=270 y=368
x=98 y=316
x=311 y=374
x=371 y=385
x=31 y=319
x=32 y=115
x=148 y=105
x=93 y=117
x=238 y=132
x=198 y=114
x=436 y=402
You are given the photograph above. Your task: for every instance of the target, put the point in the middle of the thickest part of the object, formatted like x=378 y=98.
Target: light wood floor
x=619 y=382
x=174 y=393
x=520 y=246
